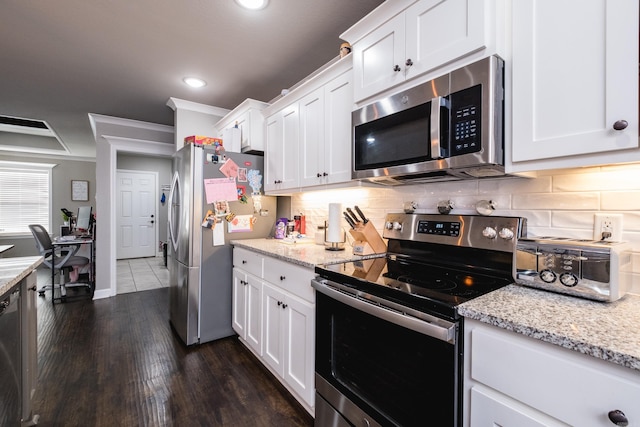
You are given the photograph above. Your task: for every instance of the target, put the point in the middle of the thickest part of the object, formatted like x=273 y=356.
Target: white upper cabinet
x=574 y=84
x=325 y=131
x=425 y=36
x=312 y=137
x=309 y=133
x=281 y=157
x=248 y=118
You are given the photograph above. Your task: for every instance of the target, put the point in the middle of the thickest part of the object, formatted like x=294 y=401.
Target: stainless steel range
x=388 y=336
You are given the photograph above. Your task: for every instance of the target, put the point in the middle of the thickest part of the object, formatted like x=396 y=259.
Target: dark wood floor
x=116 y=362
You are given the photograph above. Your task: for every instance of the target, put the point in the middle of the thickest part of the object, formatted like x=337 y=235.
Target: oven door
x=380 y=364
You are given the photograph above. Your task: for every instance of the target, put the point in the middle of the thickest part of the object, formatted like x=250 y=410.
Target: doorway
x=136 y=214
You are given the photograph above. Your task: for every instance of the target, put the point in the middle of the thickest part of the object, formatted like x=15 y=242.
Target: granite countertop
x=13 y=270
x=306 y=254
x=608 y=331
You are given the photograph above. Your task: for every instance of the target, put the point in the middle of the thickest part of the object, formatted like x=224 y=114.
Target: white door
x=136 y=214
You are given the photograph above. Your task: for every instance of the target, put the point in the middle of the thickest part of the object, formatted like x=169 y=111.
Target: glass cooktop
x=418 y=285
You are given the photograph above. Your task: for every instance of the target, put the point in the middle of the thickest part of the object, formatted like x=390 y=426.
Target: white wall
x=556 y=203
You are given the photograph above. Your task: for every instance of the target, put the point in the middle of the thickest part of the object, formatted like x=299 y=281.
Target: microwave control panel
x=465 y=121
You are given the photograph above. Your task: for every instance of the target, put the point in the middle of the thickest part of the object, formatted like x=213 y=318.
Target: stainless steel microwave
x=445 y=129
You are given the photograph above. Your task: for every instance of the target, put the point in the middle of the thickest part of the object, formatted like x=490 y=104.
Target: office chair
x=65 y=260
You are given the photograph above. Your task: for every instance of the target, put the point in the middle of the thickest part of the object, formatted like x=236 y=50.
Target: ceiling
x=61 y=60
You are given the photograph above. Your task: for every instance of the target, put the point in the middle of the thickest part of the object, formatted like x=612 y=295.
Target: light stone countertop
x=306 y=254
x=13 y=270
x=608 y=331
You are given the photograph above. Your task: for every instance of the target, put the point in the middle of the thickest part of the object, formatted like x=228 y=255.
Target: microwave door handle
x=436 y=146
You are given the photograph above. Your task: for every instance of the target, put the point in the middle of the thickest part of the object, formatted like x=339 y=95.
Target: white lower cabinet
x=512 y=381
x=274 y=316
x=247 y=309
x=289 y=322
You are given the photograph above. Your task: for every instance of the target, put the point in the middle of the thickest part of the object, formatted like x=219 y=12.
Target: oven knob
x=489 y=233
x=397 y=225
x=506 y=234
x=548 y=276
x=568 y=279
x=388 y=225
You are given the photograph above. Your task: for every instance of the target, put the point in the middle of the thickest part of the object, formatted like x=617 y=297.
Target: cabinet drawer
x=249 y=261
x=577 y=389
x=290 y=277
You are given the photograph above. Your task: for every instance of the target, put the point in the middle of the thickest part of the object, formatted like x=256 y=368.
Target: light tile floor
x=141 y=274
x=133 y=275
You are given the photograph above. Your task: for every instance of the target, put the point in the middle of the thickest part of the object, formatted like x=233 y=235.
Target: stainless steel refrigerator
x=200 y=274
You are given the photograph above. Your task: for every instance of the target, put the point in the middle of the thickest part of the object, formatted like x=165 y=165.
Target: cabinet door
x=379 y=58
x=338 y=95
x=312 y=139
x=253 y=295
x=274 y=160
x=575 y=74
x=273 y=328
x=441 y=31
x=244 y=124
x=239 y=307
x=299 y=322
x=290 y=144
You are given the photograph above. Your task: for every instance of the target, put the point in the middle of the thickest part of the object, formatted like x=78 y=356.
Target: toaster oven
x=596 y=270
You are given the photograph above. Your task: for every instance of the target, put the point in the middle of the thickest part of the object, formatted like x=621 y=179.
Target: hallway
x=141 y=274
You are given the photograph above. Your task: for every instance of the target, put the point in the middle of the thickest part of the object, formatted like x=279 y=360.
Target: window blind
x=24 y=198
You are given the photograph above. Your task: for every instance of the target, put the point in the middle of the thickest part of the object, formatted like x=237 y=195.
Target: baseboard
x=102 y=293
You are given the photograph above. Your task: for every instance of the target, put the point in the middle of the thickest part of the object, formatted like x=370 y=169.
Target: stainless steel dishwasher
x=10 y=360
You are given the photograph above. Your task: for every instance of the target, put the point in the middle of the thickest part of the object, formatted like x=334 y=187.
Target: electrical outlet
x=608 y=227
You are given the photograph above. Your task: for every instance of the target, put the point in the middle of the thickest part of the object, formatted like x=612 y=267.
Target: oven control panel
x=443 y=228
x=484 y=232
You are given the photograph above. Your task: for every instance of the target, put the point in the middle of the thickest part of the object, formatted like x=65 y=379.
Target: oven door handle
x=439 y=328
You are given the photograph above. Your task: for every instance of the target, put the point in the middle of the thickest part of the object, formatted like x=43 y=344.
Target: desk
x=59 y=243
x=5 y=248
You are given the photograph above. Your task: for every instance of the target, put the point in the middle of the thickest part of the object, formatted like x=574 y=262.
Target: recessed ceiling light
x=194 y=82
x=253 y=4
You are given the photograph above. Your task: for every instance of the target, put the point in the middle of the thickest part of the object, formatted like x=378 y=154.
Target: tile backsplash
x=559 y=203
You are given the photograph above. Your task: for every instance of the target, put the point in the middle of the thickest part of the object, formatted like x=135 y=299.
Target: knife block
x=367 y=240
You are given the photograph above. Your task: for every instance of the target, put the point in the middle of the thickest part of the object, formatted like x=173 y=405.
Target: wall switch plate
x=608 y=227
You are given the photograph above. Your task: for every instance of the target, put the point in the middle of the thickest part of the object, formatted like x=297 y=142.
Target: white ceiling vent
x=28 y=135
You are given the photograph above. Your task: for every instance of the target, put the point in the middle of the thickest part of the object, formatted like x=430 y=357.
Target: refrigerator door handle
x=173 y=205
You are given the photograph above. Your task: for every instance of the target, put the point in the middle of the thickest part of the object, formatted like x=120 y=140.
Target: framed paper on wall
x=79 y=191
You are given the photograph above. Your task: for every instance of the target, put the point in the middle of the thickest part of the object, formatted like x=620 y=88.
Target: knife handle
x=364 y=218
x=349 y=220
x=353 y=216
